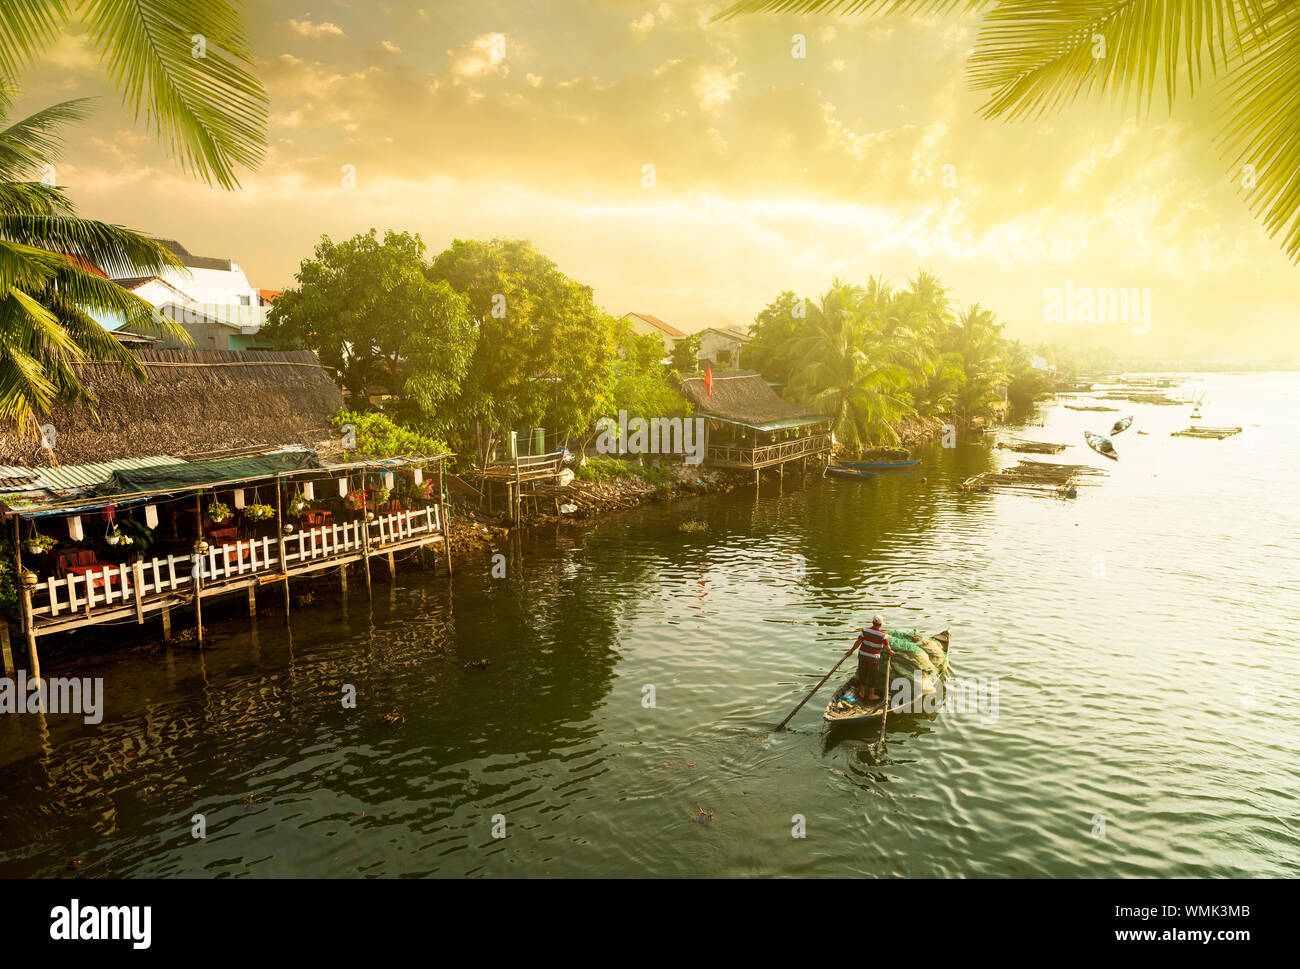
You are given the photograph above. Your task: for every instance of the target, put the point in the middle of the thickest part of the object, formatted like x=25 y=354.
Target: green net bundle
x=915 y=653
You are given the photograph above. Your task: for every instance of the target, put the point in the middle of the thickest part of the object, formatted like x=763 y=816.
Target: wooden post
x=365 y=535
x=198 y=573
x=6 y=652
x=167 y=623
x=284 y=559
x=252 y=601
x=29 y=627
x=442 y=512
x=392 y=567
x=343 y=578
x=137 y=583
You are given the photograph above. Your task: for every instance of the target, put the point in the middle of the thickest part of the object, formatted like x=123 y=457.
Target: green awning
x=198 y=474
x=789 y=422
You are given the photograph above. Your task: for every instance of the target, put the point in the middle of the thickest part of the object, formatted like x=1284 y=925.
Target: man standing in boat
x=871 y=644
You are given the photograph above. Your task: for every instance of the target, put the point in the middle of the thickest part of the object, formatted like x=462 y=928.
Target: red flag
x=708 y=378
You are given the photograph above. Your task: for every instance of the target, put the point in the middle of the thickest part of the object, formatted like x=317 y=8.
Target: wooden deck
x=767 y=455
x=123 y=592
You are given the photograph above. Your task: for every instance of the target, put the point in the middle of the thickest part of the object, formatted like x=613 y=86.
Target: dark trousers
x=871 y=676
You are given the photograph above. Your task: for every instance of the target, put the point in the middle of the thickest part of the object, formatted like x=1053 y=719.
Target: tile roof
x=659 y=324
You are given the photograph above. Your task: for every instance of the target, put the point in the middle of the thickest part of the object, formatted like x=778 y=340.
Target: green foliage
x=545 y=355
x=370 y=311
x=684 y=354
x=218 y=511
x=604 y=469
x=48 y=293
x=642 y=385
x=8 y=579
x=378 y=436
x=775 y=329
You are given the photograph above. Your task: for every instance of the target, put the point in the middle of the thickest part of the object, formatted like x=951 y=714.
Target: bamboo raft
x=1091 y=407
x=1035 y=478
x=1031 y=447
x=1139 y=397
x=1207 y=433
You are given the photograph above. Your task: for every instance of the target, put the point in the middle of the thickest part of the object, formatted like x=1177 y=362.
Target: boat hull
x=859 y=712
x=880 y=465
x=851 y=473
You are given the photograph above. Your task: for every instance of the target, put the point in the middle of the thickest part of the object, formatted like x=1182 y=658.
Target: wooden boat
x=840 y=711
x=1121 y=425
x=880 y=465
x=840 y=471
x=1101 y=444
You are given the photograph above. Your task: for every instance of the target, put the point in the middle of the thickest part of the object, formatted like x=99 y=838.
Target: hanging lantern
x=343 y=487
x=418 y=474
x=151 y=515
x=388 y=480
x=239 y=497
x=74 y=529
x=308 y=490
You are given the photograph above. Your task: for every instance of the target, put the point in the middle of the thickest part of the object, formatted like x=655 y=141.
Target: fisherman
x=871 y=643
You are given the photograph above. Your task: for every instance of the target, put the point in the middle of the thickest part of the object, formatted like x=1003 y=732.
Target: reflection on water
x=1142 y=636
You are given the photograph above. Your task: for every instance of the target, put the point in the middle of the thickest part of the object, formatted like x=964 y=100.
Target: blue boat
x=843 y=472
x=881 y=465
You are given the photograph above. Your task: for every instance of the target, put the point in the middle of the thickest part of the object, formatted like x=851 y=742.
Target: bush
x=378 y=436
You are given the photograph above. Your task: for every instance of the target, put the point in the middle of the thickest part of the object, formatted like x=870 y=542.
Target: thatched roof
x=195 y=403
x=744 y=397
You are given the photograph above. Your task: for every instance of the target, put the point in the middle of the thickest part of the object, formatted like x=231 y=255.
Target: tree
x=842 y=370
x=776 y=330
x=545 y=351
x=370 y=310
x=1037 y=56
x=178 y=63
x=685 y=356
x=50 y=279
x=977 y=340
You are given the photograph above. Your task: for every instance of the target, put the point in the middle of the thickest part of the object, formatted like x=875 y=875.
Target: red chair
x=226 y=536
x=80 y=561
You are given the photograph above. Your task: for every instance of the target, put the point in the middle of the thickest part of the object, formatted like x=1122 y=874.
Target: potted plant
x=114 y=536
x=259 y=513
x=218 y=512
x=40 y=544
x=356 y=499
x=298 y=504
x=381 y=495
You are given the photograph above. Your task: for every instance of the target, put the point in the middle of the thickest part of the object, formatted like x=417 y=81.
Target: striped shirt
x=873 y=641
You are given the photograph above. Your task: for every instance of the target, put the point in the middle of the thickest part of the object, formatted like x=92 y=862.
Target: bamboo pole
x=284 y=559
x=442 y=513
x=365 y=536
x=198 y=573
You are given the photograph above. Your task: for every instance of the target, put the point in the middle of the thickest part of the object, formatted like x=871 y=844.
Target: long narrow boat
x=855 y=710
x=1101 y=444
x=881 y=465
x=842 y=471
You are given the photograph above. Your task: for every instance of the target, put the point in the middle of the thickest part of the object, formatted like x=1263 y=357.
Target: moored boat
x=846 y=706
x=880 y=465
x=1101 y=444
x=842 y=471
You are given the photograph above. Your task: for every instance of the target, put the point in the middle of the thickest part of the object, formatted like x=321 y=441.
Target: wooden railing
x=114 y=586
x=768 y=454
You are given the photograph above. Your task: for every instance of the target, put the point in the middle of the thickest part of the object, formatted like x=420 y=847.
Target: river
x=1132 y=654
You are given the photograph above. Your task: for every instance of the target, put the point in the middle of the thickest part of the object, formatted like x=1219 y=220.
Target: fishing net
x=914 y=653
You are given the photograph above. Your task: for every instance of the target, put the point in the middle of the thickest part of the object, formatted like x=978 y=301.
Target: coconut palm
x=50 y=282
x=976 y=338
x=1035 y=56
x=844 y=370
x=179 y=64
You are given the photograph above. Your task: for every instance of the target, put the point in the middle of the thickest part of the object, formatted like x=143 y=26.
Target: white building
x=721 y=347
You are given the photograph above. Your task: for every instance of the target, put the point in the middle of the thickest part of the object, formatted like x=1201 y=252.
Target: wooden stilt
x=365 y=540
x=29 y=627
x=137 y=580
x=392 y=568
x=198 y=573
x=6 y=652
x=343 y=579
x=252 y=602
x=167 y=623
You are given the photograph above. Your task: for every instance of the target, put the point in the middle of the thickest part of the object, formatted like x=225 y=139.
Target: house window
x=724 y=357
x=245 y=300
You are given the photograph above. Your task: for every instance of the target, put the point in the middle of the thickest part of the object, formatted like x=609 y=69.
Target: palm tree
x=1036 y=56
x=977 y=341
x=844 y=371
x=178 y=63
x=49 y=286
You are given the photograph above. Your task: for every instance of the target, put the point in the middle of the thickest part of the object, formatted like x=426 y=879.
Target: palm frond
x=116 y=250
x=26 y=29
x=28 y=144
x=208 y=111
x=849 y=7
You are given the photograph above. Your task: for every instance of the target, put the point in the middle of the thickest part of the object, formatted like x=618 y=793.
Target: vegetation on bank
x=868 y=356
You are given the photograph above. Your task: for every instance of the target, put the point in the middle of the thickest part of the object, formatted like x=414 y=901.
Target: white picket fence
x=113 y=585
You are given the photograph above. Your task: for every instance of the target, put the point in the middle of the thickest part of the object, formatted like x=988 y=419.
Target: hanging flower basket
x=258 y=513
x=115 y=536
x=298 y=504
x=40 y=544
x=218 y=512
x=356 y=499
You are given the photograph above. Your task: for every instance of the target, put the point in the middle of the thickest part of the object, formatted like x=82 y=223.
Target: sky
x=693 y=170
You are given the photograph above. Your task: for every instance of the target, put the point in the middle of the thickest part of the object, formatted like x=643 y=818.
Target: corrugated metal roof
x=73 y=477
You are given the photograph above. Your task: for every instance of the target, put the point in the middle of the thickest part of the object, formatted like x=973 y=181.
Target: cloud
x=484 y=55
x=391 y=47
x=309 y=29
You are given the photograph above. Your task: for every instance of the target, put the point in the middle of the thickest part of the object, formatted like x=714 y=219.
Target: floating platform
x=1034 y=477
x=1210 y=433
x=1031 y=447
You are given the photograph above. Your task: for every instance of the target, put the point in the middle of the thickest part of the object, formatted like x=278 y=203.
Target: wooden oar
x=781 y=726
x=885 y=715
